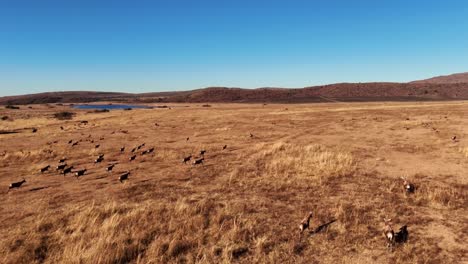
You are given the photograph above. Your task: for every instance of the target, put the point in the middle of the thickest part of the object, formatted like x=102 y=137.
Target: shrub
x=12 y=107
x=100 y=111
x=64 y=115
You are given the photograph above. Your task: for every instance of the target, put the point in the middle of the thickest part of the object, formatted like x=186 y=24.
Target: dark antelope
x=188 y=158
x=16 y=184
x=124 y=176
x=80 y=173
x=67 y=170
x=198 y=161
x=110 y=167
x=46 y=168
x=61 y=166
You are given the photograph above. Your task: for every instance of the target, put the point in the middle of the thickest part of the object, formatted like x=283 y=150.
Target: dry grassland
x=341 y=161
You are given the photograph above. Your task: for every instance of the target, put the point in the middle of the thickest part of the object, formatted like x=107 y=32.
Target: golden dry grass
x=343 y=162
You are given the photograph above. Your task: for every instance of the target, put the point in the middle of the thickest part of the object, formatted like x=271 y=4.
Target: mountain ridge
x=429 y=89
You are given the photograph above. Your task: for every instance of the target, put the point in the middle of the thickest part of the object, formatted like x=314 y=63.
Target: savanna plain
x=266 y=166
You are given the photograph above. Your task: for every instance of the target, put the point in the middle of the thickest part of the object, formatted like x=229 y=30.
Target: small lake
x=110 y=106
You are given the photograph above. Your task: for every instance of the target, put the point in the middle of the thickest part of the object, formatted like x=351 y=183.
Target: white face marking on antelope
x=389 y=235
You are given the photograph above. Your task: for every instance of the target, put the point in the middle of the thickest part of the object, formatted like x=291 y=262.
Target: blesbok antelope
x=44 y=169
x=198 y=161
x=187 y=139
x=202 y=152
x=389 y=233
x=151 y=150
x=16 y=185
x=97 y=145
x=402 y=235
x=74 y=144
x=124 y=176
x=61 y=166
x=99 y=159
x=67 y=170
x=224 y=147
x=122 y=149
x=409 y=187
x=188 y=158
x=132 y=158
x=110 y=167
x=305 y=223
x=62 y=160
x=80 y=173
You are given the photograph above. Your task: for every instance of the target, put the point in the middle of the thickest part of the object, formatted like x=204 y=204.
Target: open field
x=342 y=161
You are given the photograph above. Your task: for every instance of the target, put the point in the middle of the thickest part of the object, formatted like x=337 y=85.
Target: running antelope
x=16 y=184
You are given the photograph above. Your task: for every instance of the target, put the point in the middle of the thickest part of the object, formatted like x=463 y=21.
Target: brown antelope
x=132 y=158
x=224 y=147
x=409 y=187
x=389 y=233
x=305 y=223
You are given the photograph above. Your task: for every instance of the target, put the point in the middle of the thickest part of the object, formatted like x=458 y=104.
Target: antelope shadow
x=322 y=227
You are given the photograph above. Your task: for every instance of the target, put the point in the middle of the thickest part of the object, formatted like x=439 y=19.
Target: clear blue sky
x=143 y=46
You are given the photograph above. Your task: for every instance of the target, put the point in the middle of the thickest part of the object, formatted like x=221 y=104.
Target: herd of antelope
x=63 y=168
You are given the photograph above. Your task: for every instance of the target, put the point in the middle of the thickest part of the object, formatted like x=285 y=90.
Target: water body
x=110 y=106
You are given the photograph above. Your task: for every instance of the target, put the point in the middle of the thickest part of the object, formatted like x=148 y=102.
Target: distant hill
x=439 y=88
x=453 y=78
